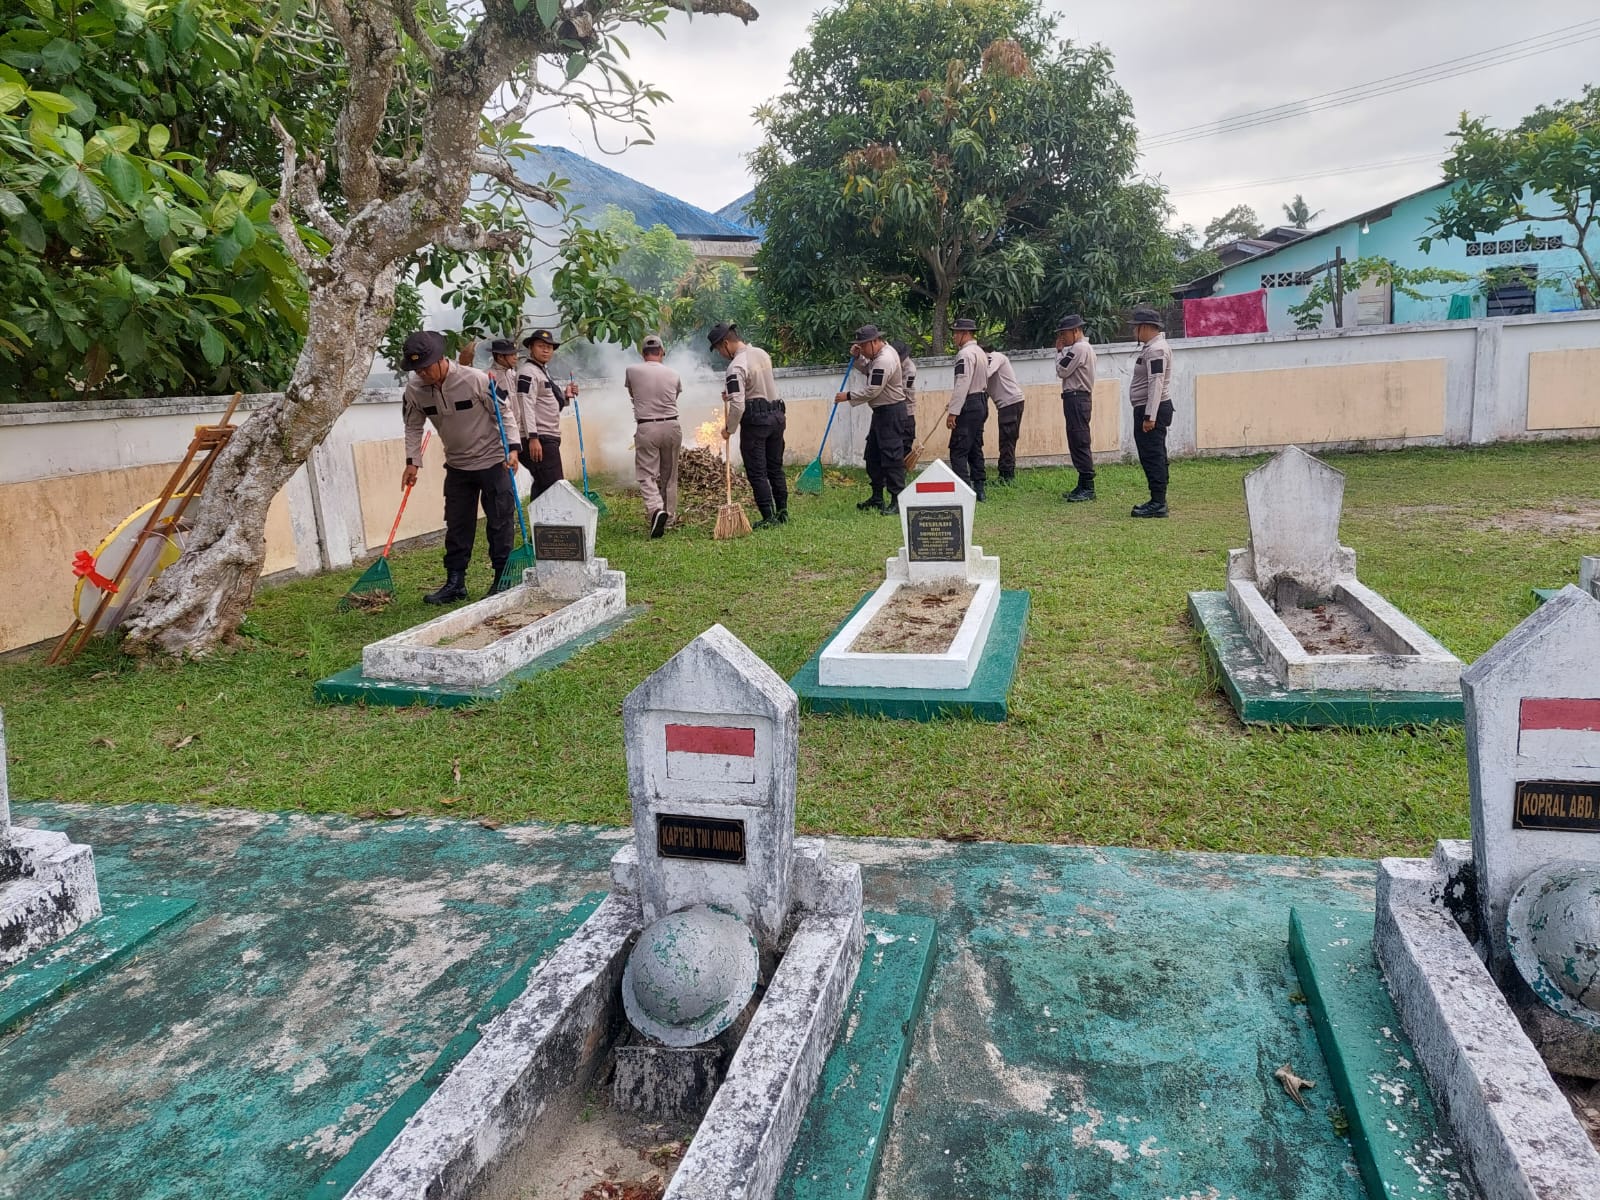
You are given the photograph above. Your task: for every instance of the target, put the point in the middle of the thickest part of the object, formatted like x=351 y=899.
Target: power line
x=1431 y=156
x=1390 y=85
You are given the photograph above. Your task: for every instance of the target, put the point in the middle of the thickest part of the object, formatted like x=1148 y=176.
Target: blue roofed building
x=739 y=213
x=1546 y=265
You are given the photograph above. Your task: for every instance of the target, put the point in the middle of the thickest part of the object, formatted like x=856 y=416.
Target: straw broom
x=916 y=451
x=731 y=521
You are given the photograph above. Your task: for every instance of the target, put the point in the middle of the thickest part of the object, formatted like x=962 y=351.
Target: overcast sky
x=1183 y=63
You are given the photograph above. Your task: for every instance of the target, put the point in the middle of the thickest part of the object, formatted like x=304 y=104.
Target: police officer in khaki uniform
x=1075 y=367
x=754 y=412
x=502 y=366
x=878 y=382
x=539 y=403
x=657 y=438
x=456 y=400
x=1152 y=409
x=969 y=406
x=1006 y=393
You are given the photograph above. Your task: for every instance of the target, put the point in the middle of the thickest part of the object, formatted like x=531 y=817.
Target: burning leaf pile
x=701 y=489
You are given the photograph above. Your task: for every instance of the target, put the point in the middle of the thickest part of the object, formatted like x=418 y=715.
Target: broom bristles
x=731 y=523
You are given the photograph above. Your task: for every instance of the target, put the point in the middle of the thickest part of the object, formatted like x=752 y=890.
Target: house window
x=1514 y=296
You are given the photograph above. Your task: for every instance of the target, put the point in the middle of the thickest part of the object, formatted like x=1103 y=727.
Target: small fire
x=709 y=435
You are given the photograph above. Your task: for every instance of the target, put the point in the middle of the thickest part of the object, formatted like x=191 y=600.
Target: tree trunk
x=200 y=600
x=941 y=320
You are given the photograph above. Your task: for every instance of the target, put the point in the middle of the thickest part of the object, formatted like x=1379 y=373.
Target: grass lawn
x=1116 y=737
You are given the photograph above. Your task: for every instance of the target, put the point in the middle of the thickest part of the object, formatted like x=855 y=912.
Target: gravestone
x=712 y=741
x=47 y=881
x=1533 y=753
x=1589 y=575
x=936 y=513
x=1294 y=503
x=563 y=527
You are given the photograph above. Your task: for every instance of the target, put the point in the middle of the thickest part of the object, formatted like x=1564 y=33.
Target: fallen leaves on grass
x=455 y=770
x=447 y=801
x=397 y=812
x=663 y=1155
x=490 y=824
x=626 y=1189
x=182 y=742
x=103 y=741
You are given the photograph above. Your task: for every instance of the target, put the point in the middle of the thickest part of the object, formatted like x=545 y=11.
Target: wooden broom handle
x=727 y=455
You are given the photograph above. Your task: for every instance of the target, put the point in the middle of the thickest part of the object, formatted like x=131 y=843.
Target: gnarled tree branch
x=503 y=173
x=282 y=217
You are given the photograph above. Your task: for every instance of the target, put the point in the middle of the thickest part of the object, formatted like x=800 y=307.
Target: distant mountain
x=739 y=213
x=595 y=186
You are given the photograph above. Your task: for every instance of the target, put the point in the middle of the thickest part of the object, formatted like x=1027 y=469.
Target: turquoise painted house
x=1541 y=250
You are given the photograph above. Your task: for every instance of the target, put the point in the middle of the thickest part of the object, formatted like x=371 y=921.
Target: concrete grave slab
x=563 y=528
x=1533 y=752
x=1589 y=574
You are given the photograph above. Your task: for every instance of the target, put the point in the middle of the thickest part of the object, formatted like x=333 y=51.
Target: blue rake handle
x=505 y=448
x=583 y=459
x=843 y=383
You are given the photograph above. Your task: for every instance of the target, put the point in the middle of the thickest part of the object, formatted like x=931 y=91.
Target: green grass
x=1116 y=737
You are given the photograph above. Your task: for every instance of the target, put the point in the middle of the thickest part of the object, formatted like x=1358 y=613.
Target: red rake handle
x=406 y=498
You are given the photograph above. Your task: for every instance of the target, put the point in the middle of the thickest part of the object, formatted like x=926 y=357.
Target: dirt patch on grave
x=1584 y=1096
x=917 y=620
x=1328 y=627
x=487 y=632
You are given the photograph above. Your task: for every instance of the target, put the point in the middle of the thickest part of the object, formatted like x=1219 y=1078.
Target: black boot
x=658 y=524
x=1084 y=491
x=782 y=516
x=768 y=520
x=892 y=509
x=1151 y=508
x=499 y=583
x=980 y=489
x=873 y=503
x=455 y=588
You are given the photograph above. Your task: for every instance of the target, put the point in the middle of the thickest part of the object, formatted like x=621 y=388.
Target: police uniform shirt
x=972 y=376
x=1004 y=389
x=539 y=404
x=655 y=388
x=1152 y=376
x=908 y=376
x=879 y=382
x=505 y=380
x=1075 y=367
x=749 y=377
x=459 y=408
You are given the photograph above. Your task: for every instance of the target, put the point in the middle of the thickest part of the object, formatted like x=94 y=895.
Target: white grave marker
x=1294 y=503
x=712 y=742
x=1533 y=751
x=936 y=512
x=563 y=525
x=1589 y=575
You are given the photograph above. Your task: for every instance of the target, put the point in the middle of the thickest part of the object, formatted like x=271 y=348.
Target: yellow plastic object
x=161 y=549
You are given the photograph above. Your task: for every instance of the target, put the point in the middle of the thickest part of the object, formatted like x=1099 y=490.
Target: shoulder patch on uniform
x=733 y=385
x=961 y=366
x=1157 y=366
x=524 y=384
x=877 y=377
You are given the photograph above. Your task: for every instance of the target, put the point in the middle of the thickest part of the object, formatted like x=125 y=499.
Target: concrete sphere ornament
x=689 y=976
x=1553 y=930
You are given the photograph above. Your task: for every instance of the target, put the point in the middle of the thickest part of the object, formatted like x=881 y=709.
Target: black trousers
x=1010 y=418
x=966 y=441
x=886 y=449
x=761 y=445
x=463 y=492
x=547 y=471
x=1078 y=408
x=1153 y=449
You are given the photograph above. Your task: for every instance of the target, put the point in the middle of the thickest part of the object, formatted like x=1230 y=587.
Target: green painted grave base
x=985 y=700
x=836 y=1154
x=125 y=923
x=1545 y=595
x=1259 y=699
x=351 y=687
x=1399 y=1142
x=335 y=1183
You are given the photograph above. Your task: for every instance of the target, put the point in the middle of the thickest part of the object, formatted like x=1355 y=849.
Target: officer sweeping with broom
x=880 y=385
x=460 y=402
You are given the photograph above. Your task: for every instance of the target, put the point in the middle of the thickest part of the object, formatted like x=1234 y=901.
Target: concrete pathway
x=1103 y=1023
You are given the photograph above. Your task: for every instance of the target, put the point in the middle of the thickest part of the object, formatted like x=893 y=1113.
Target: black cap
x=1145 y=315
x=900 y=348
x=421 y=350
x=502 y=346
x=541 y=335
x=1072 y=322
x=867 y=333
x=965 y=325
x=720 y=332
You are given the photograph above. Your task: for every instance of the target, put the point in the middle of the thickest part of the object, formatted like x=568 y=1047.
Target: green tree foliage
x=653 y=260
x=934 y=153
x=137 y=255
x=1408 y=281
x=1546 y=169
x=1299 y=214
x=1240 y=221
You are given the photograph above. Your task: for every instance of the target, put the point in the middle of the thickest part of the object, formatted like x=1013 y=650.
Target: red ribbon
x=83 y=566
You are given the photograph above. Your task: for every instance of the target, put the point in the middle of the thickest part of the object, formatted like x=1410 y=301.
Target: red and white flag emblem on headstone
x=1564 y=732
x=711 y=753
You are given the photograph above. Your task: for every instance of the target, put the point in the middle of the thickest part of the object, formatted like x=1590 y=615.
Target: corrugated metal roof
x=595 y=186
x=739 y=213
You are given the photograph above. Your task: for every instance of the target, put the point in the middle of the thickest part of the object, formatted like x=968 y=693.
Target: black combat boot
x=782 y=516
x=498 y=582
x=1151 y=508
x=981 y=490
x=768 y=520
x=873 y=503
x=892 y=509
x=1084 y=491
x=455 y=588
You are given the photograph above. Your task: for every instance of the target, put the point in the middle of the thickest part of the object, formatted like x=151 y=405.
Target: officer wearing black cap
x=754 y=412
x=879 y=383
x=456 y=399
x=1152 y=409
x=969 y=406
x=1075 y=367
x=540 y=401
